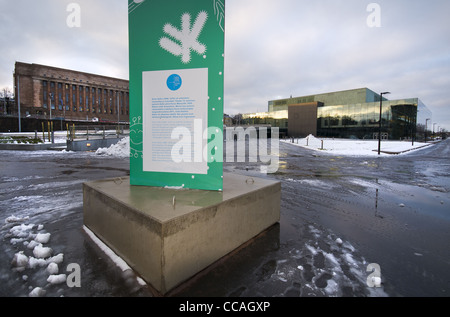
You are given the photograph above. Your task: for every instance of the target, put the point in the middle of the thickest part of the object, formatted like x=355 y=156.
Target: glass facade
x=275 y=119
x=399 y=119
x=352 y=114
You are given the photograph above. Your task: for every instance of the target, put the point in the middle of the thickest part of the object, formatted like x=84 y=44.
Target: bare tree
x=5 y=94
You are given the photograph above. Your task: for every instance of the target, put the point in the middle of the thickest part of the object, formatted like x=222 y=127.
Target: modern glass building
x=345 y=114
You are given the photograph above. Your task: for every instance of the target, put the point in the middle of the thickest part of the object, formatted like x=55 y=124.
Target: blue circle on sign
x=174 y=82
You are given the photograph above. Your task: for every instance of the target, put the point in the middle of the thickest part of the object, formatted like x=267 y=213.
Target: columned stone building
x=55 y=93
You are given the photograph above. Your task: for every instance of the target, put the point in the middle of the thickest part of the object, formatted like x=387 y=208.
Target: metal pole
x=379 y=125
x=379 y=128
x=118 y=110
x=51 y=107
x=18 y=102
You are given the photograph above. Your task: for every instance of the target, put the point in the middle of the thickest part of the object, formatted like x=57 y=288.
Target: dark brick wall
x=303 y=119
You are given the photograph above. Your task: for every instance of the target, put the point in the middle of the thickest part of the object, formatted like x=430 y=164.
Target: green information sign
x=176 y=93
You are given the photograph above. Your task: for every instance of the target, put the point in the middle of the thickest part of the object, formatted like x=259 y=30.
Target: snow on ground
x=121 y=149
x=35 y=255
x=328 y=266
x=355 y=147
x=111 y=254
x=332 y=146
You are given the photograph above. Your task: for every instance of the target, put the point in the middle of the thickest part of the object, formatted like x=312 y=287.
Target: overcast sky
x=274 y=49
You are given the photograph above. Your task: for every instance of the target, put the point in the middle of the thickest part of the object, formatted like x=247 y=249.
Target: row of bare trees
x=6 y=100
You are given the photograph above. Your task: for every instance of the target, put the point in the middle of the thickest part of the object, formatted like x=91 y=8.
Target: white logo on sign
x=187 y=37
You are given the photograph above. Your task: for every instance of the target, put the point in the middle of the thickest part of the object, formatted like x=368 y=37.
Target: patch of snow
x=348 y=147
x=21 y=231
x=312 y=249
x=57 y=279
x=110 y=253
x=332 y=287
x=14 y=219
x=42 y=238
x=20 y=261
x=175 y=187
x=37 y=292
x=58 y=259
x=32 y=244
x=34 y=263
x=53 y=268
x=41 y=252
x=121 y=149
x=113 y=256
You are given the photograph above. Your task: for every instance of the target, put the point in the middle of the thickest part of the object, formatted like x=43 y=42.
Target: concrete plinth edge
x=168 y=236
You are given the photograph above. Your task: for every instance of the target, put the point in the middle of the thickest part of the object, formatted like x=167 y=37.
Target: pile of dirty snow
x=121 y=149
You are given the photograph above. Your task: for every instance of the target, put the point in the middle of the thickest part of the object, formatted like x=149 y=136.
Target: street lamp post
x=51 y=96
x=379 y=127
x=426 y=127
x=118 y=110
x=18 y=102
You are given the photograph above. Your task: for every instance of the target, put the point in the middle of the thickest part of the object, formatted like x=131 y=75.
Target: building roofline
x=325 y=93
x=70 y=70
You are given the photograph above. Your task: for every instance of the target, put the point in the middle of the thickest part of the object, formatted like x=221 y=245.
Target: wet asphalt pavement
x=338 y=214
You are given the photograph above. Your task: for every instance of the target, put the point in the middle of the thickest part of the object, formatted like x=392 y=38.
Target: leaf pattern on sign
x=219 y=12
x=133 y=5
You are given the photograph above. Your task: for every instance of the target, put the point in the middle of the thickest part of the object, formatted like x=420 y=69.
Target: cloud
x=273 y=49
x=37 y=32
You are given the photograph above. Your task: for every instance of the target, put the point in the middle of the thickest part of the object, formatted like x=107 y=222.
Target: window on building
x=74 y=96
x=52 y=101
x=44 y=90
x=93 y=98
x=87 y=99
x=121 y=103
x=67 y=98
x=105 y=97
x=60 y=100
x=44 y=93
x=117 y=102
x=81 y=96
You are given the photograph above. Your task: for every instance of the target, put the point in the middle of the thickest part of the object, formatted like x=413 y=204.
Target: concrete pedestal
x=166 y=235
